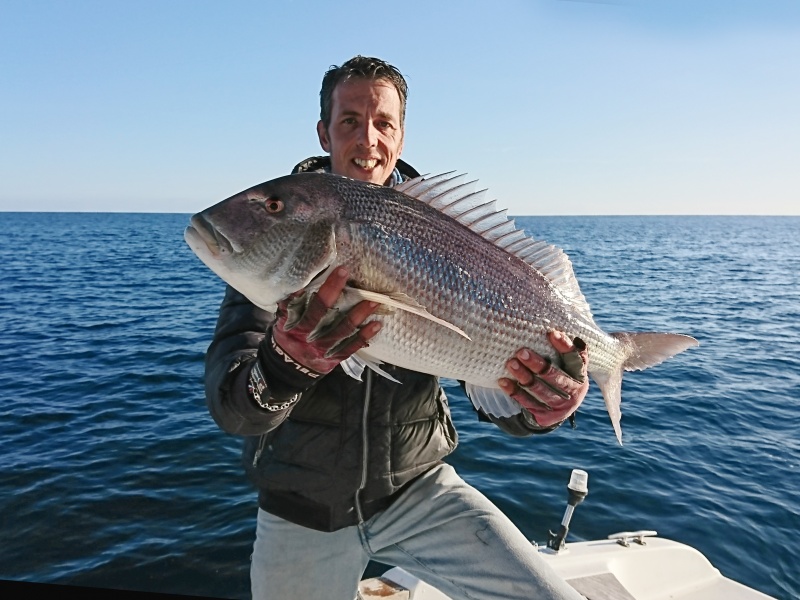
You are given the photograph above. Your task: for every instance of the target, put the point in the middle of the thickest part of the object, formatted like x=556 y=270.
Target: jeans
x=441 y=530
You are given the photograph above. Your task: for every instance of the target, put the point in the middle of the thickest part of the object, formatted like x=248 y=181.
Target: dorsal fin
x=449 y=194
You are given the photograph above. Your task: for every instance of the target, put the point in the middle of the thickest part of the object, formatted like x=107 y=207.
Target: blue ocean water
x=112 y=473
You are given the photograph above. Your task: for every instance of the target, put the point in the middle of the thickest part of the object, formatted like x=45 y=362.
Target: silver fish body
x=431 y=245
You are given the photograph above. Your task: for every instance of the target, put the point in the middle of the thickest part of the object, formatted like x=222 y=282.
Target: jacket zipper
x=262 y=441
x=364 y=448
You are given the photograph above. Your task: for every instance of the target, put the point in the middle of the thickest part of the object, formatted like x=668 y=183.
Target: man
x=350 y=471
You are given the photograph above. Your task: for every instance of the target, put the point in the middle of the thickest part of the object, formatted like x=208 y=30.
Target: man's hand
x=550 y=394
x=319 y=337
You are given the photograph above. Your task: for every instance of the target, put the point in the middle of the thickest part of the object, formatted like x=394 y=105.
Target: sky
x=558 y=107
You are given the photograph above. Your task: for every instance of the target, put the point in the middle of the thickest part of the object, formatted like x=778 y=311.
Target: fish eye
x=273 y=205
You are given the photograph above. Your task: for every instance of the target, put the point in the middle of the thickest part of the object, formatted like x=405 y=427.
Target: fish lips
x=202 y=235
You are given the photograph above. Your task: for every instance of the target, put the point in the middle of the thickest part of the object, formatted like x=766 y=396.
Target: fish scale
x=464 y=288
x=456 y=285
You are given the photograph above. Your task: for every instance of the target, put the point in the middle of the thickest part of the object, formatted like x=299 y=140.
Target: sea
x=114 y=475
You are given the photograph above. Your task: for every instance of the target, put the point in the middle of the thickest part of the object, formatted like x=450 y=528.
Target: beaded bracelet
x=257 y=385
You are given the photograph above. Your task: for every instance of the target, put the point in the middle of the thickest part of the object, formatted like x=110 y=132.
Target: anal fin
x=492 y=401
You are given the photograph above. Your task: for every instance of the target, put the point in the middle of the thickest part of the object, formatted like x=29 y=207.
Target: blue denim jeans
x=441 y=530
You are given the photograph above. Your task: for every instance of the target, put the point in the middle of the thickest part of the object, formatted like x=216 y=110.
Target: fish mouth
x=200 y=231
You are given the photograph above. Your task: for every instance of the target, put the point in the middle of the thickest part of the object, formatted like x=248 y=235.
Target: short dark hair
x=360 y=67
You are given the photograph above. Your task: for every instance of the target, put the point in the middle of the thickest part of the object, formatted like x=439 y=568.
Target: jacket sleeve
x=241 y=327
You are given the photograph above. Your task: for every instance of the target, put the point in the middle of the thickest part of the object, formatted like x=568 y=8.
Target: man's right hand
x=318 y=337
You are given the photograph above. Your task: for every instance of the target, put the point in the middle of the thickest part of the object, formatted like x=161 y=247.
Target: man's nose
x=368 y=134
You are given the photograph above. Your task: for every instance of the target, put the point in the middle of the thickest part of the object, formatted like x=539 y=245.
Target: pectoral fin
x=404 y=302
x=397 y=300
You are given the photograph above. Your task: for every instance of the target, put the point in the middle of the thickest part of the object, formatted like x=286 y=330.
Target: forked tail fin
x=642 y=350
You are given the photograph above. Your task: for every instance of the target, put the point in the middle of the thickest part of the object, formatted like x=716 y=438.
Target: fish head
x=270 y=240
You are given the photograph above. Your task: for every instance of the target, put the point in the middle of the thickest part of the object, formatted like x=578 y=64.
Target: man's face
x=365 y=137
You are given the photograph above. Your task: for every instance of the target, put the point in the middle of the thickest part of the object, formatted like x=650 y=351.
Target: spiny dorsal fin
x=451 y=195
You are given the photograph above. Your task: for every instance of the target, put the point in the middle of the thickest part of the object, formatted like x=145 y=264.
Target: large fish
x=466 y=288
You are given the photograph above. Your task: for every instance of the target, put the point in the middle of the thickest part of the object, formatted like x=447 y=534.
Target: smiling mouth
x=366 y=163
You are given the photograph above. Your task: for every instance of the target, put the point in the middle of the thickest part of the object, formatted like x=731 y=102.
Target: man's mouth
x=366 y=163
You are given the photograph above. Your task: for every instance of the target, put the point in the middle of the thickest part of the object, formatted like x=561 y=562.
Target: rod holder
x=578 y=489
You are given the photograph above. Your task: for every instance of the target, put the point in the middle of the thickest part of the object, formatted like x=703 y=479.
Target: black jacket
x=346 y=448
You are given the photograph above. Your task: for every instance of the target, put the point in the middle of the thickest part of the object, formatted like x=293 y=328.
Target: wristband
x=279 y=371
x=257 y=385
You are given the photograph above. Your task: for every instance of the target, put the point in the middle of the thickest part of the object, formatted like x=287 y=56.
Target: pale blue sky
x=558 y=107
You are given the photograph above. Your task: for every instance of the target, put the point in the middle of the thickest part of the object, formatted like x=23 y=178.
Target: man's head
x=362 y=115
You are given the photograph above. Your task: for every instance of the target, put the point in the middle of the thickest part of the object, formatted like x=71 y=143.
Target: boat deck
x=631 y=568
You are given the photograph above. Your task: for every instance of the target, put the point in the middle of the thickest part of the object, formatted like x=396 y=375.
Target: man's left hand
x=549 y=393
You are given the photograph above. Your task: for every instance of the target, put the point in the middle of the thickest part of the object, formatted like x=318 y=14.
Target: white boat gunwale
x=647 y=568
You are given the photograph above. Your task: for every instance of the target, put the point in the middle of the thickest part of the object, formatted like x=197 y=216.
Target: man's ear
x=322 y=133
